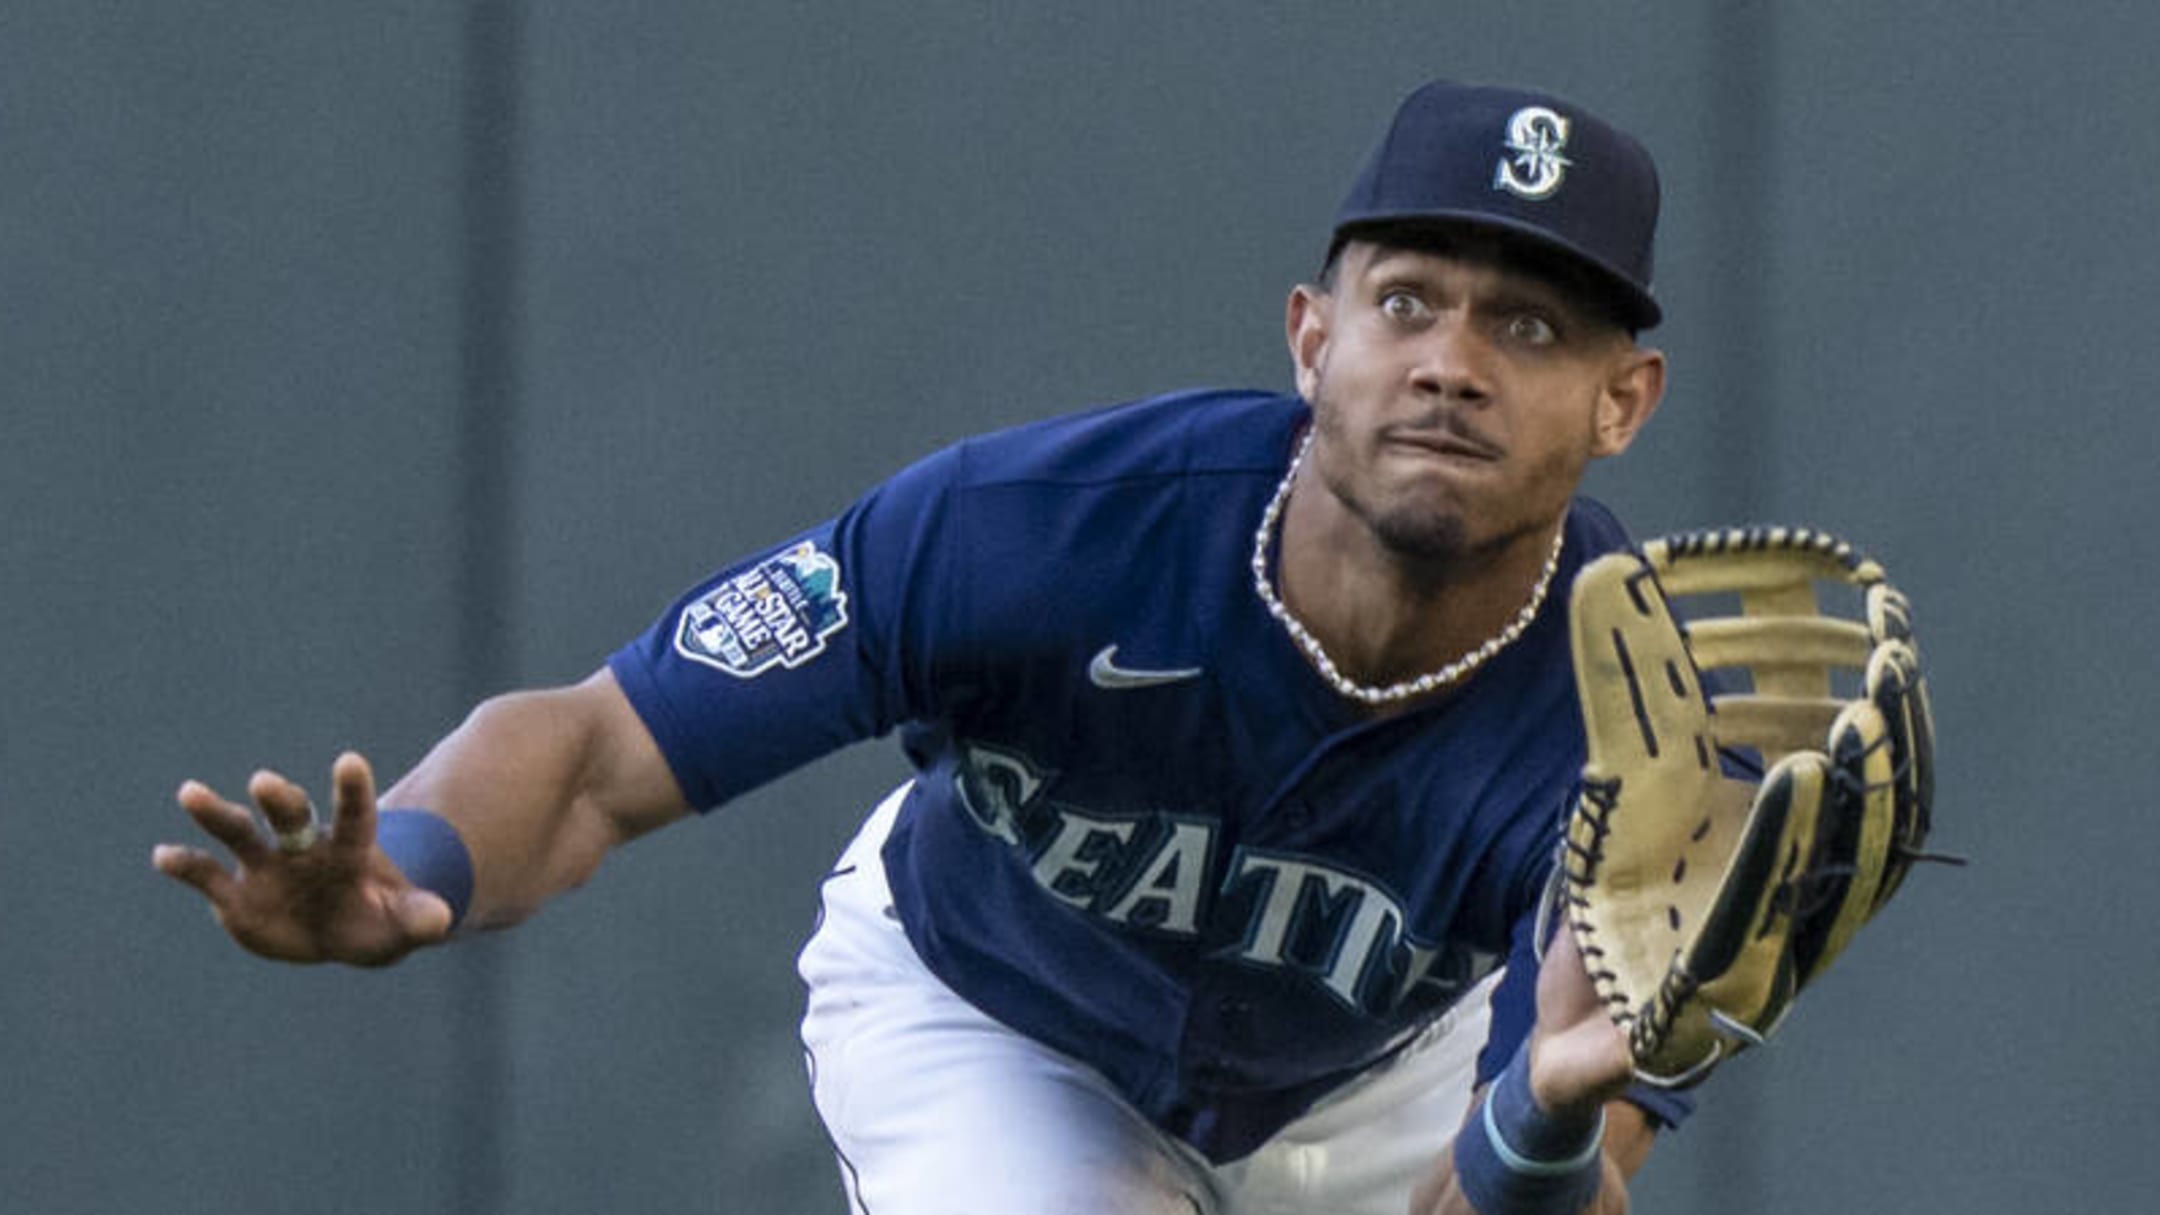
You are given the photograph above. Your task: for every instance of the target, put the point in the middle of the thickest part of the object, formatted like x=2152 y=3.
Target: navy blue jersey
x=1143 y=831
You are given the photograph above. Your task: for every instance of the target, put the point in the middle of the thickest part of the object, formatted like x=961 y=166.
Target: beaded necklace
x=1318 y=656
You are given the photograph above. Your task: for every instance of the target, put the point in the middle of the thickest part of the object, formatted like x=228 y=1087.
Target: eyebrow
x=1511 y=286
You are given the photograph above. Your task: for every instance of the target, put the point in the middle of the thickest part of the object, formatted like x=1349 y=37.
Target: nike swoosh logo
x=1104 y=672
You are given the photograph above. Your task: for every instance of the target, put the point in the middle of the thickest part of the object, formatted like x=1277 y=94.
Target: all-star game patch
x=776 y=613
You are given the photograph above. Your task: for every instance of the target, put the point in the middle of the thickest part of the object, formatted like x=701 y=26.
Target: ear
x=1305 y=325
x=1631 y=394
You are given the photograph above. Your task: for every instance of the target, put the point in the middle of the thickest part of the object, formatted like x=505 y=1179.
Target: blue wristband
x=1513 y=1158
x=431 y=854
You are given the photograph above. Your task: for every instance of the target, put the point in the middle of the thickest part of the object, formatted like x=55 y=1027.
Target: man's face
x=1457 y=400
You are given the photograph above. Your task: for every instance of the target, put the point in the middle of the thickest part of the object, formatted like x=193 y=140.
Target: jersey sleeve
x=834 y=636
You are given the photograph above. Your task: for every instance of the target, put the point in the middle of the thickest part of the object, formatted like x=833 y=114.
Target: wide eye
x=1531 y=329
x=1404 y=306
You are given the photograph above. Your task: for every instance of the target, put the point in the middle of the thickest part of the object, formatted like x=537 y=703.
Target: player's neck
x=1384 y=616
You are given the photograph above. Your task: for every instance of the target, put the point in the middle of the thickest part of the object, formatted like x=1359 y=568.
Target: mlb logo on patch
x=776 y=613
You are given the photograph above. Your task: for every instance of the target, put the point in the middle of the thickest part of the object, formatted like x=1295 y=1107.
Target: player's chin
x=1457 y=526
x=1424 y=531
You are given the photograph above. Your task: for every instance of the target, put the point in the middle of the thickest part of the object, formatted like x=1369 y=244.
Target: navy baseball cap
x=1526 y=163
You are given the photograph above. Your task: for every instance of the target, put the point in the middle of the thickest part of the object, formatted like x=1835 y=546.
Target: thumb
x=422 y=915
x=1565 y=994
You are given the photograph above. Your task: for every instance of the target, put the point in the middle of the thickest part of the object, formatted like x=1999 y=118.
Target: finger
x=196 y=868
x=352 y=802
x=233 y=825
x=424 y=916
x=284 y=803
x=415 y=919
x=1581 y=1067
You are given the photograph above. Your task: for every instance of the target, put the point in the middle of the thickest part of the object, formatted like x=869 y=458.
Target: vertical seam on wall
x=1743 y=55
x=477 y=1152
x=1742 y=153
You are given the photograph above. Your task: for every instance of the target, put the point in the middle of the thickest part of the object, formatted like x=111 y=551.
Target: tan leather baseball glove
x=1728 y=842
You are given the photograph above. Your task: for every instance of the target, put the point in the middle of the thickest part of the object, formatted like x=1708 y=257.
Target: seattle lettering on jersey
x=1159 y=872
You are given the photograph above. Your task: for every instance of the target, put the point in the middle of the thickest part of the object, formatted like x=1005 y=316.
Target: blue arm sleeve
x=827 y=639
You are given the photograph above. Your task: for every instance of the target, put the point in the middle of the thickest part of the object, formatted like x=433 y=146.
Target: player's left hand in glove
x=1727 y=845
x=307 y=893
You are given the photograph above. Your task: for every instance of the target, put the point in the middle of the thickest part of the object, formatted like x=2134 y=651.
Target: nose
x=1453 y=361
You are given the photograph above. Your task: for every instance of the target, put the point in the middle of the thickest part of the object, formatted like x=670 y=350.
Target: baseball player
x=1243 y=727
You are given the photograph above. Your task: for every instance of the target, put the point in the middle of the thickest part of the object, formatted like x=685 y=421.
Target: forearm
x=1441 y=1196
x=540 y=786
x=1627 y=1143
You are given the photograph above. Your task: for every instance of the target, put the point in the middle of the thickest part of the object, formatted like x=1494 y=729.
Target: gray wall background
x=361 y=360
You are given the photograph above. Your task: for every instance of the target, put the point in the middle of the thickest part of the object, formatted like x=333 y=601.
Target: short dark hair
x=1590 y=289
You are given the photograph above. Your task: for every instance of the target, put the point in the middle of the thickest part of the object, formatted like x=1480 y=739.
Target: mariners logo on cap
x=776 y=613
x=1534 y=166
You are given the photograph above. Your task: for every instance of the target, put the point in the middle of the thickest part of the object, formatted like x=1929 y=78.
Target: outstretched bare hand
x=334 y=897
